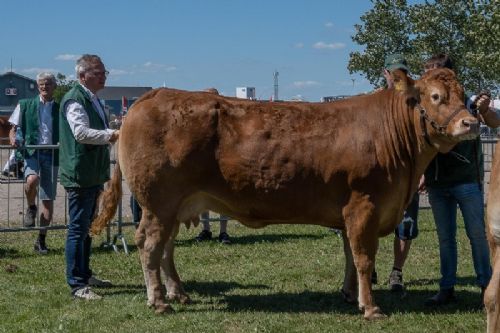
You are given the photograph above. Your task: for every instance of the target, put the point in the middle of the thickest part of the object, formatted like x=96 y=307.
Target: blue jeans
x=408 y=228
x=469 y=198
x=82 y=204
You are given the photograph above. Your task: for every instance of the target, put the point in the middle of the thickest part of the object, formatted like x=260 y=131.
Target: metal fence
x=13 y=204
x=13 y=198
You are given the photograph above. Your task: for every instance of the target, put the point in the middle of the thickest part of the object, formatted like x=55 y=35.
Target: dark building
x=14 y=87
x=112 y=97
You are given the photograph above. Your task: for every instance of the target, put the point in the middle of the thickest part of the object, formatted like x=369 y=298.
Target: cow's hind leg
x=151 y=238
x=173 y=284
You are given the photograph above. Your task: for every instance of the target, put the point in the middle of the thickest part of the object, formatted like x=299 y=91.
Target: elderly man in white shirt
x=38 y=121
x=84 y=168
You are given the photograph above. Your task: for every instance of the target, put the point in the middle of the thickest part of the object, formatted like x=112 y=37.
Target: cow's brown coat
x=351 y=164
x=492 y=294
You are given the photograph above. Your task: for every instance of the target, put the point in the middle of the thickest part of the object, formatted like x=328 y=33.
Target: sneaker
x=374 y=277
x=224 y=238
x=444 y=296
x=95 y=282
x=396 y=280
x=40 y=247
x=86 y=293
x=204 y=235
x=29 y=217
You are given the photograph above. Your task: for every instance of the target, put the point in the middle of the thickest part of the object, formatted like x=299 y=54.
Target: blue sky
x=191 y=44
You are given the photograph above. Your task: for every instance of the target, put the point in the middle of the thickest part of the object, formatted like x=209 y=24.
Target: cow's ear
x=404 y=83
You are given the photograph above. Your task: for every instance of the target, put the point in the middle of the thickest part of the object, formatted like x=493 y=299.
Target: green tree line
x=467 y=30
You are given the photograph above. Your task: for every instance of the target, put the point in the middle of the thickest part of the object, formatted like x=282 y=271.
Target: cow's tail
x=108 y=202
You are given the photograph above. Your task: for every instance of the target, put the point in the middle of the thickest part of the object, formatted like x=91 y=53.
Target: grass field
x=276 y=279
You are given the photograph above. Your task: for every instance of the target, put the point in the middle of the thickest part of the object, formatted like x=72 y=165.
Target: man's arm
x=79 y=124
x=487 y=113
x=15 y=121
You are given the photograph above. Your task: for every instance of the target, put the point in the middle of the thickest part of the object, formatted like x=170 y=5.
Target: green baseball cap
x=395 y=61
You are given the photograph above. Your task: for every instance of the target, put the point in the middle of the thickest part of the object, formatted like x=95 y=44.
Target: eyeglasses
x=99 y=73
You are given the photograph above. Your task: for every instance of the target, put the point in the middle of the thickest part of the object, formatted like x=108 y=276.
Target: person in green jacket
x=37 y=119
x=85 y=139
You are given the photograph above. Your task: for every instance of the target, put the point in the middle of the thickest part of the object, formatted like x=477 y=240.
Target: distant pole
x=275 y=85
x=11 y=64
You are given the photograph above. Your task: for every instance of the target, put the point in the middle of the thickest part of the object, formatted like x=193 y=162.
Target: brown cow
x=352 y=164
x=492 y=294
x=5 y=127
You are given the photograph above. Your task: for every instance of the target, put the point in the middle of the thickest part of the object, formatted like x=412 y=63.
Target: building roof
x=18 y=75
x=116 y=93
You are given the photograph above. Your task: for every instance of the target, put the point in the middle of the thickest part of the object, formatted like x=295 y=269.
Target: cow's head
x=439 y=100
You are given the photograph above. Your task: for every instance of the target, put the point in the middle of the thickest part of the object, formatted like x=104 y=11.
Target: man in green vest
x=36 y=121
x=85 y=138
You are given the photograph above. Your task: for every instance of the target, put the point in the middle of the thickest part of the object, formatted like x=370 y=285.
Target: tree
x=468 y=30
x=63 y=86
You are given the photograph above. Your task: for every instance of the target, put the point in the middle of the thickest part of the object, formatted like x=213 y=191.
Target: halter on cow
x=351 y=164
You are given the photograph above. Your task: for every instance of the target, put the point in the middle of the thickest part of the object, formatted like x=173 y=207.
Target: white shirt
x=79 y=123
x=44 y=121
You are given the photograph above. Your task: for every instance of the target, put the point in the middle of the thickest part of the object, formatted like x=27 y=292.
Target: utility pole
x=275 y=97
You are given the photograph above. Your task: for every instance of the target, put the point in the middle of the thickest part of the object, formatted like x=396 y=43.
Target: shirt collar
x=87 y=90
x=45 y=103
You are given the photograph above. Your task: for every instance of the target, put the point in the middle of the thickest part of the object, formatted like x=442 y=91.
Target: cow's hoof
x=181 y=298
x=374 y=313
x=348 y=297
x=163 y=309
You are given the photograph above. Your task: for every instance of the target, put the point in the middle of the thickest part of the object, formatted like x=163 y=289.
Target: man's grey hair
x=46 y=76
x=85 y=62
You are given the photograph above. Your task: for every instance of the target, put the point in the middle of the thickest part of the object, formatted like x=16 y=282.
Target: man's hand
x=12 y=136
x=483 y=103
x=114 y=136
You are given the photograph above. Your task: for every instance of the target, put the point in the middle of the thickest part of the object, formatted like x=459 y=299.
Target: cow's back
x=259 y=162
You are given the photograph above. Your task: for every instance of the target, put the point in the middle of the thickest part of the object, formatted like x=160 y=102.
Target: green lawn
x=276 y=279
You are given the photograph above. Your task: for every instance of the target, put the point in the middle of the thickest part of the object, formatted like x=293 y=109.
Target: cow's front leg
x=173 y=284
x=362 y=233
x=364 y=249
x=350 y=286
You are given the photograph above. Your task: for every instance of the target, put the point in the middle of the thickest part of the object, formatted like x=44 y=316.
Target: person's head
x=91 y=72
x=440 y=60
x=46 y=85
x=396 y=61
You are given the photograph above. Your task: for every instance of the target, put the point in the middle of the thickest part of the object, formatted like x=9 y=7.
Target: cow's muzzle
x=465 y=129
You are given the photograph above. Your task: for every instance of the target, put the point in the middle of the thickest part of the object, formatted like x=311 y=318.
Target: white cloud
x=299 y=45
x=151 y=66
x=118 y=72
x=303 y=84
x=328 y=25
x=67 y=57
x=36 y=70
x=328 y=46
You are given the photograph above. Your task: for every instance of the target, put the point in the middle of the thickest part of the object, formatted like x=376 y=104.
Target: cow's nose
x=472 y=124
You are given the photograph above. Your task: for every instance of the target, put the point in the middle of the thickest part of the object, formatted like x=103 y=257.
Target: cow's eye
x=435 y=97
